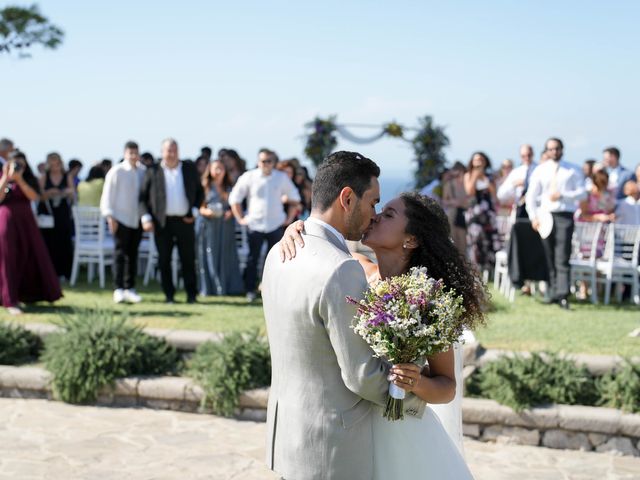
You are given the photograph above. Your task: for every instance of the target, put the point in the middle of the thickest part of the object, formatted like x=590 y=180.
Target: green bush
x=241 y=361
x=521 y=382
x=621 y=389
x=18 y=345
x=95 y=348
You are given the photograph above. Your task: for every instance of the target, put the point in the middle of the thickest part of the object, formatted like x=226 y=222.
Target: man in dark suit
x=170 y=197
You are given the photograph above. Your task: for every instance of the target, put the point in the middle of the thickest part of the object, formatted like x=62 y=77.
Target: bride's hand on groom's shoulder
x=406 y=376
x=291 y=239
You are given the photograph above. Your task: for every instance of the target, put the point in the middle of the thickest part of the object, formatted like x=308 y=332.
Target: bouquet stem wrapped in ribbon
x=406 y=319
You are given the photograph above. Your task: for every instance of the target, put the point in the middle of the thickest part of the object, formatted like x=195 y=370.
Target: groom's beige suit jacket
x=325 y=378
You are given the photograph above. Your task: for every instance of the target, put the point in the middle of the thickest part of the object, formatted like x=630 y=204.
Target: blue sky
x=250 y=74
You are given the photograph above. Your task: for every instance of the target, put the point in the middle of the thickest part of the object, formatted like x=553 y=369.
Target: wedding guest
x=618 y=175
x=628 y=209
x=90 y=190
x=106 y=165
x=303 y=183
x=587 y=170
x=26 y=271
x=202 y=164
x=218 y=264
x=289 y=167
x=170 y=197
x=504 y=207
x=482 y=234
x=235 y=165
x=119 y=205
x=263 y=188
x=147 y=159
x=455 y=202
x=6 y=147
x=556 y=187
x=598 y=206
x=74 y=168
x=514 y=187
x=56 y=199
x=206 y=153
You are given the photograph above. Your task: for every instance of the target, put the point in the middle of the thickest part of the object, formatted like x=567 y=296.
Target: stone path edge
x=181 y=393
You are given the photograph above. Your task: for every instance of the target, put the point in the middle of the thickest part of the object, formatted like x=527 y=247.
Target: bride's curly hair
x=428 y=223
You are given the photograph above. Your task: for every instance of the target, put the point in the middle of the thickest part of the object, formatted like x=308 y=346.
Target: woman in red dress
x=26 y=271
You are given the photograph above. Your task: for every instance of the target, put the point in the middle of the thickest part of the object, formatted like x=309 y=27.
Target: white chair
x=92 y=246
x=619 y=264
x=501 y=280
x=584 y=254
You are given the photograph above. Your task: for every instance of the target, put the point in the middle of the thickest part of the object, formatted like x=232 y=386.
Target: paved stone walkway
x=51 y=440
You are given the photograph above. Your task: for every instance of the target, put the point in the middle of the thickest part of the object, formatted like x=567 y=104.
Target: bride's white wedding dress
x=422 y=448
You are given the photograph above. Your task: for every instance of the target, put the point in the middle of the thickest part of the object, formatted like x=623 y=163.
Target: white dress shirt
x=332 y=229
x=265 y=211
x=508 y=192
x=615 y=176
x=628 y=211
x=121 y=192
x=177 y=202
x=569 y=182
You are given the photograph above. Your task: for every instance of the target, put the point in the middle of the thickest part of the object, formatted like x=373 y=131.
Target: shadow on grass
x=49 y=309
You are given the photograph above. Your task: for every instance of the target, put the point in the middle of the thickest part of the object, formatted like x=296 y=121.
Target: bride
x=413 y=230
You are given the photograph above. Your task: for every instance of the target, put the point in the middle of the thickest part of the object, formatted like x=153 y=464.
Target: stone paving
x=51 y=440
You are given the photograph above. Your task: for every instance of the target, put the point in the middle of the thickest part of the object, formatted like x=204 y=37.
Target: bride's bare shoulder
x=369 y=266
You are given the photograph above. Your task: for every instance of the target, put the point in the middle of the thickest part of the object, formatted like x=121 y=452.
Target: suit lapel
x=319 y=231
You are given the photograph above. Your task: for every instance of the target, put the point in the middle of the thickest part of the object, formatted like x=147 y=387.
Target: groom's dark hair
x=340 y=170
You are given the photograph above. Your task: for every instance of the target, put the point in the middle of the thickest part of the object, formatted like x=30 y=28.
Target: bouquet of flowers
x=406 y=319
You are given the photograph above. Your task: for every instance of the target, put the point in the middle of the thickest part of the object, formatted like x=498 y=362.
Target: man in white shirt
x=170 y=197
x=515 y=186
x=119 y=204
x=556 y=187
x=264 y=188
x=6 y=147
x=618 y=175
x=628 y=209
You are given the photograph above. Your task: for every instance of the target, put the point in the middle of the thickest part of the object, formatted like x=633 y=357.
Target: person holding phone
x=482 y=233
x=26 y=270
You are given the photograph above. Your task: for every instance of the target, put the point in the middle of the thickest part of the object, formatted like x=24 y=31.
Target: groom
x=324 y=377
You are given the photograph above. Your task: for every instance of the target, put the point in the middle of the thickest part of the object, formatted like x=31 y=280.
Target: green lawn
x=219 y=314
x=526 y=324
x=523 y=325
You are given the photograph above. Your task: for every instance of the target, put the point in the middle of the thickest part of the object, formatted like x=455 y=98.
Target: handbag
x=46 y=220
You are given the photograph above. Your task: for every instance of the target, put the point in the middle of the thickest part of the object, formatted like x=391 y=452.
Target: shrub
x=95 y=348
x=225 y=369
x=18 y=345
x=521 y=382
x=621 y=389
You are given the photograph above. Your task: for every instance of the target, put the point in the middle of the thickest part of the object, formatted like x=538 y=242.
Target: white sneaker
x=251 y=297
x=131 y=296
x=118 y=295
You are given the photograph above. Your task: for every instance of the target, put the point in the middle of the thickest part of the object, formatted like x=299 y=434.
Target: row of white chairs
x=94 y=247
x=601 y=254
x=606 y=254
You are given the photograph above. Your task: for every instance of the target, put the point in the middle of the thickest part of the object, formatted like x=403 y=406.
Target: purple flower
x=387 y=297
x=382 y=318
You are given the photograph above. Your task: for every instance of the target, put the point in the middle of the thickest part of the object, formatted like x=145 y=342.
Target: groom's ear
x=347 y=197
